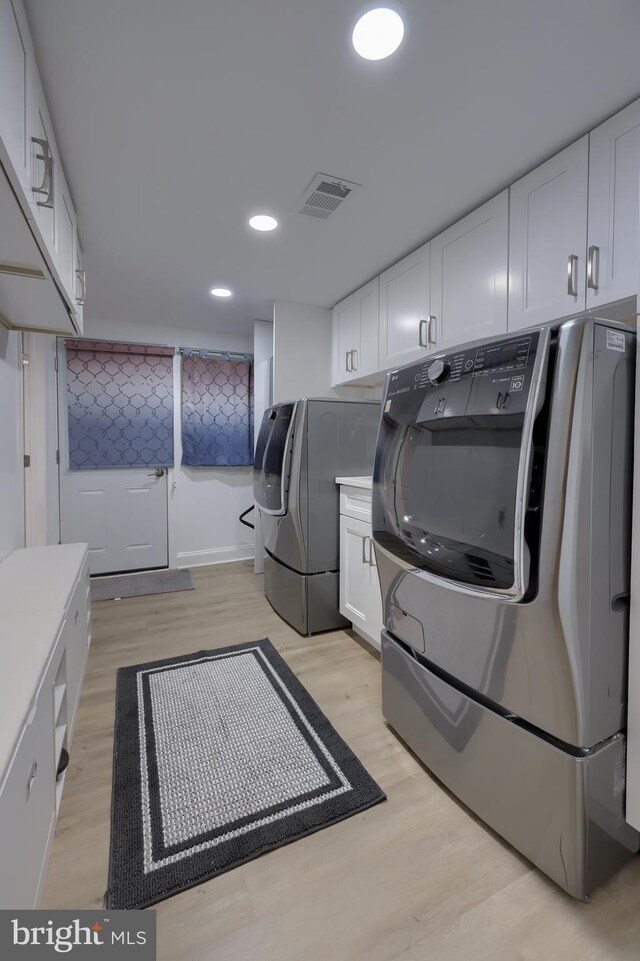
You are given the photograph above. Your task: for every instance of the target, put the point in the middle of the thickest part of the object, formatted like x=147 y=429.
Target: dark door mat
x=136 y=585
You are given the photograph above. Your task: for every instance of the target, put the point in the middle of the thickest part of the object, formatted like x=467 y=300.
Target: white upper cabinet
x=14 y=109
x=367 y=316
x=613 y=256
x=404 y=310
x=548 y=239
x=355 y=335
x=30 y=157
x=80 y=287
x=344 y=338
x=469 y=263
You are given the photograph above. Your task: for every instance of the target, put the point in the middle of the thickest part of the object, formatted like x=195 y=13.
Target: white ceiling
x=176 y=119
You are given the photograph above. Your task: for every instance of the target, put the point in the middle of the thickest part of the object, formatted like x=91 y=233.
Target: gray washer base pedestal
x=565 y=813
x=308 y=602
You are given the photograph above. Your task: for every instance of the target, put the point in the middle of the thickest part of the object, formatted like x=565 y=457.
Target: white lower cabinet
x=44 y=635
x=360 y=599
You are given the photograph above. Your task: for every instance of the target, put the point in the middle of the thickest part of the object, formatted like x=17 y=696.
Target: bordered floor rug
x=219 y=756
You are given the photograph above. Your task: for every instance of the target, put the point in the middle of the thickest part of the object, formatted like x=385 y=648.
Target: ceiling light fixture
x=220 y=291
x=378 y=33
x=263 y=222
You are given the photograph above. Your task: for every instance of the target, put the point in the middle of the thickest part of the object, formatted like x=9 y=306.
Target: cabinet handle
x=81 y=277
x=364 y=550
x=423 y=341
x=572 y=275
x=593 y=267
x=46 y=187
x=346 y=362
x=354 y=359
x=31 y=778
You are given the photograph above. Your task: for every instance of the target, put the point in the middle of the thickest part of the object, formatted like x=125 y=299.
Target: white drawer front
x=355 y=502
x=27 y=807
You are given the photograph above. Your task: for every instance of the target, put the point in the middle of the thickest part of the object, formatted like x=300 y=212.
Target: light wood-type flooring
x=415 y=878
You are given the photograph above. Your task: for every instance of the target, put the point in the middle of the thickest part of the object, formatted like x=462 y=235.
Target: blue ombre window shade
x=120 y=405
x=217 y=408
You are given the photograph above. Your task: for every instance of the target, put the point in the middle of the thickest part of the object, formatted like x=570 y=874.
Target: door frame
x=35 y=357
x=63 y=436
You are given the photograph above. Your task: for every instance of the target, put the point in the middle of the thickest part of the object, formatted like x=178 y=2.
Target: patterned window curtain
x=120 y=405
x=217 y=408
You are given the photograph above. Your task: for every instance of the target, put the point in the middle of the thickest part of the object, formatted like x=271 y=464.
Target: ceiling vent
x=323 y=196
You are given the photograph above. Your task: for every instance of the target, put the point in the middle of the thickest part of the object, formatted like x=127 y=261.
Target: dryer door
x=271 y=466
x=453 y=465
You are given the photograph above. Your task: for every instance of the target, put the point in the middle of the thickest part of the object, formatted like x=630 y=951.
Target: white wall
x=204 y=502
x=302 y=354
x=11 y=450
x=262 y=398
x=301 y=351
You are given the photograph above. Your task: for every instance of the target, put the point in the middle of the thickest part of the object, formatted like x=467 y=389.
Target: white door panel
x=121 y=514
x=614 y=230
x=547 y=227
x=469 y=276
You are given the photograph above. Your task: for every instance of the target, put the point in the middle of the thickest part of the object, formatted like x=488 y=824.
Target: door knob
x=158 y=472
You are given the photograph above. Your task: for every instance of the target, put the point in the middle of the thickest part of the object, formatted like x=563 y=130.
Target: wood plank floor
x=415 y=878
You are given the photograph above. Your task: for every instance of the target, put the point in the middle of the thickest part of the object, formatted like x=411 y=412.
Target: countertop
x=366 y=483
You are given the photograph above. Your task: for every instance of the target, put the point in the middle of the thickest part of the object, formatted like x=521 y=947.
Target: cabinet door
x=66 y=238
x=344 y=338
x=27 y=806
x=14 y=81
x=548 y=239
x=43 y=177
x=75 y=635
x=360 y=599
x=469 y=276
x=367 y=314
x=404 y=310
x=80 y=287
x=613 y=259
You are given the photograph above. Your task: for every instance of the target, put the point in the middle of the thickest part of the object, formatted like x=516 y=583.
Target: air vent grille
x=323 y=196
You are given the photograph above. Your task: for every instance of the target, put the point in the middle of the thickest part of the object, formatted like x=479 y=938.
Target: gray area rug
x=136 y=585
x=219 y=756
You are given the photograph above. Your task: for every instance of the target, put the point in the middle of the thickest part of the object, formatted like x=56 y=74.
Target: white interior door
x=120 y=514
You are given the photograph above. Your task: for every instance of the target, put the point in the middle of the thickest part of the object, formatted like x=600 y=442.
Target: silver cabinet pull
x=46 y=187
x=354 y=359
x=372 y=556
x=593 y=267
x=158 y=472
x=423 y=333
x=364 y=550
x=572 y=275
x=431 y=331
x=31 y=778
x=81 y=277
x=346 y=362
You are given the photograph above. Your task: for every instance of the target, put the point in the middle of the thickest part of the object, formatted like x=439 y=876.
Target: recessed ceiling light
x=220 y=291
x=263 y=222
x=378 y=33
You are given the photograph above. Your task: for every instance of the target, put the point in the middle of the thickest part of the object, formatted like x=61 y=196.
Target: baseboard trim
x=219 y=555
